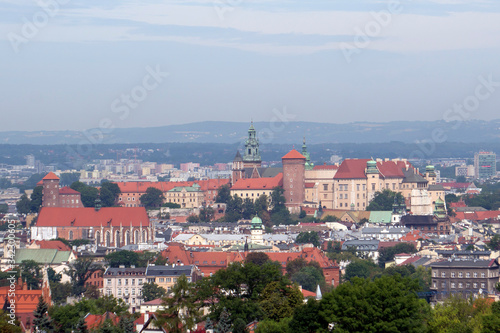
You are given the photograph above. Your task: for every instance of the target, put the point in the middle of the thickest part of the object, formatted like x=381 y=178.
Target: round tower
x=256 y=231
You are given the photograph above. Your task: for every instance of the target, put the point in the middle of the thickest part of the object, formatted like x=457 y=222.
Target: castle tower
x=251 y=156
x=309 y=165
x=256 y=231
x=238 y=168
x=294 y=180
x=430 y=175
x=372 y=179
x=50 y=191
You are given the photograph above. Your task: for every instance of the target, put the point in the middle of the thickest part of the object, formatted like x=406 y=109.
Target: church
x=108 y=226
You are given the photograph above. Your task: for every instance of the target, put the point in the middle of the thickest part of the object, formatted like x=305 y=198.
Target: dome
x=371 y=166
x=256 y=220
x=429 y=168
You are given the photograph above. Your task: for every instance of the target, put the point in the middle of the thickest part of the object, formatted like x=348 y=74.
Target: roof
x=113 y=271
x=141 y=187
x=86 y=217
x=258 y=183
x=67 y=190
x=169 y=270
x=490 y=263
x=380 y=217
x=326 y=167
x=352 y=168
x=52 y=244
x=42 y=256
x=94 y=321
x=50 y=176
x=413 y=177
x=293 y=154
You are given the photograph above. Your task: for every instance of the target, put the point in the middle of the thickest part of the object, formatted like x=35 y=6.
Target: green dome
x=256 y=219
x=429 y=168
x=371 y=163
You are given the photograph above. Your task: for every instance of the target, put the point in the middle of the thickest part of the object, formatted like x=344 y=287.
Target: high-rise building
x=485 y=165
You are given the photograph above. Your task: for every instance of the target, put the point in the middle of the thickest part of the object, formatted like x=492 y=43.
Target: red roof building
x=110 y=226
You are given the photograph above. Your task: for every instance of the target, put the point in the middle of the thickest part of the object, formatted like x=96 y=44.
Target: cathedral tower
x=251 y=156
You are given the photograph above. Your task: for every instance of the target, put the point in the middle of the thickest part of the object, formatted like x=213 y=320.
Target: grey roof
x=436 y=187
x=470 y=209
x=466 y=263
x=412 y=177
x=463 y=253
x=169 y=270
x=417 y=219
x=263 y=172
x=116 y=271
x=361 y=244
x=421 y=262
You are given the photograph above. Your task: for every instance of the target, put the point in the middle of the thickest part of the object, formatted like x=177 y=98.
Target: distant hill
x=273 y=133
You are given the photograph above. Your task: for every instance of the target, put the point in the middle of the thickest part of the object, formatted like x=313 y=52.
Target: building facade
x=485 y=165
x=125 y=283
x=464 y=277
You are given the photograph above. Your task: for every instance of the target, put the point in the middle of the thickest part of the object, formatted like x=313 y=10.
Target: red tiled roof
x=352 y=169
x=308 y=293
x=50 y=176
x=293 y=154
x=52 y=244
x=141 y=187
x=455 y=185
x=67 y=190
x=410 y=260
x=391 y=169
x=258 y=183
x=310 y=185
x=94 y=321
x=157 y=301
x=59 y=217
x=326 y=167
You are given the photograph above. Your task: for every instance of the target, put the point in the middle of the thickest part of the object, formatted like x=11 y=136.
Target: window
x=126 y=282
x=119 y=282
x=139 y=282
x=443 y=274
x=168 y=279
x=460 y=274
x=443 y=284
x=357 y=187
x=119 y=291
x=467 y=275
x=460 y=285
x=109 y=292
x=474 y=285
x=483 y=285
x=453 y=285
x=483 y=275
x=325 y=187
x=373 y=187
x=133 y=291
x=452 y=274
x=132 y=281
x=475 y=274
x=434 y=274
x=161 y=280
x=467 y=285
x=109 y=282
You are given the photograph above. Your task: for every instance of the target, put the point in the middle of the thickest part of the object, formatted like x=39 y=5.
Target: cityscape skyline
x=75 y=66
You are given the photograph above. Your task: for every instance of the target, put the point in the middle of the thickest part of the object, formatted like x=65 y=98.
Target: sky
x=74 y=65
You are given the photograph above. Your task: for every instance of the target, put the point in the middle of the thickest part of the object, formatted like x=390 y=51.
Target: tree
x=271 y=326
x=114 y=189
x=248 y=209
x=309 y=277
x=278 y=300
x=387 y=304
x=80 y=271
x=223 y=194
x=207 y=214
x=41 y=319
x=305 y=237
x=224 y=324
x=23 y=206
x=81 y=326
x=151 y=291
x=152 y=198
x=124 y=257
x=494 y=243
x=330 y=218
x=305 y=317
x=126 y=324
x=360 y=269
x=7 y=324
x=384 y=200
x=387 y=253
x=239 y=326
x=89 y=194
x=31 y=274
x=233 y=209
x=193 y=218
x=258 y=258
x=106 y=197
x=279 y=212
x=180 y=311
x=53 y=276
x=36 y=199
x=171 y=205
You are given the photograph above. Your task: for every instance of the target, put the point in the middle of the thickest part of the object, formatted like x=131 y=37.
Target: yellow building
x=167 y=276
x=185 y=196
x=253 y=188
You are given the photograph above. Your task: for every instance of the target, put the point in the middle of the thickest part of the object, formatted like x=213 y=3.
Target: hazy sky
x=72 y=64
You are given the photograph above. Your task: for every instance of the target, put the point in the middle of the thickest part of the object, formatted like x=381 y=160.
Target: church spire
x=309 y=165
x=251 y=156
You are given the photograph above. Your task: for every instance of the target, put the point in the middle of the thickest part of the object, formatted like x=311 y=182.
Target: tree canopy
x=384 y=200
